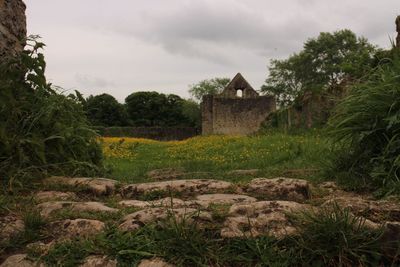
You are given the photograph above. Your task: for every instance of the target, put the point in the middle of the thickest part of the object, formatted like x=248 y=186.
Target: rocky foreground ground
x=260 y=207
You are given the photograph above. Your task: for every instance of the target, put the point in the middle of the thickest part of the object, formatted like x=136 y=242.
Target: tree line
x=142 y=109
x=327 y=64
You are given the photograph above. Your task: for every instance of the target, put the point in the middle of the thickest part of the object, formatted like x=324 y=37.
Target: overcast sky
x=123 y=46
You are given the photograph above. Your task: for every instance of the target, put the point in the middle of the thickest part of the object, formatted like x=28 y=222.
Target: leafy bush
x=41 y=130
x=367 y=122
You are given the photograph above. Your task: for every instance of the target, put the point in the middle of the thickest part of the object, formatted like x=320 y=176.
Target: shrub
x=367 y=123
x=41 y=130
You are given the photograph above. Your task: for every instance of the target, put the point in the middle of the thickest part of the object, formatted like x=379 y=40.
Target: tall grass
x=335 y=237
x=367 y=123
x=41 y=130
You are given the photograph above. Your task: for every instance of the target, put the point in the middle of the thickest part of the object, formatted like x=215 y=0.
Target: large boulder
x=195 y=186
x=261 y=218
x=280 y=188
x=140 y=218
x=12 y=26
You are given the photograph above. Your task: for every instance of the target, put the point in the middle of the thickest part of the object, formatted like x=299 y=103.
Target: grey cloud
x=123 y=46
x=88 y=81
x=201 y=30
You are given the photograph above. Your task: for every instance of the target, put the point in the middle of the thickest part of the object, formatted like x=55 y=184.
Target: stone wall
x=12 y=26
x=233 y=113
x=236 y=116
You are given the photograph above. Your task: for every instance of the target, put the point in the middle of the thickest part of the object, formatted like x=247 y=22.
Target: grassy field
x=184 y=243
x=274 y=154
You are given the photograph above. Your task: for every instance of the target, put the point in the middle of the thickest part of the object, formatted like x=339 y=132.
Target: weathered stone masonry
x=228 y=113
x=12 y=26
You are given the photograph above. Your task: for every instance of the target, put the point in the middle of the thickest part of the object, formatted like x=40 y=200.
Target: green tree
x=155 y=109
x=191 y=112
x=104 y=110
x=326 y=62
x=208 y=87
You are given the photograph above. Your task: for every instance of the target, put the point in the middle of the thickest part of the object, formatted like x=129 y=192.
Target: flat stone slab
x=164 y=202
x=185 y=186
x=54 y=195
x=260 y=218
x=376 y=211
x=138 y=219
x=70 y=229
x=280 y=188
x=47 y=208
x=156 y=262
x=20 y=260
x=222 y=199
x=98 y=186
x=99 y=261
x=10 y=226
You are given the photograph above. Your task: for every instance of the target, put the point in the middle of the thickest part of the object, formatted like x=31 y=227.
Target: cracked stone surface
x=47 y=208
x=98 y=186
x=69 y=229
x=140 y=218
x=164 y=202
x=186 y=186
x=280 y=188
x=261 y=218
x=222 y=199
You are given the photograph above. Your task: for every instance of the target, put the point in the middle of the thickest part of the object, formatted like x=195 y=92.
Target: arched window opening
x=239 y=93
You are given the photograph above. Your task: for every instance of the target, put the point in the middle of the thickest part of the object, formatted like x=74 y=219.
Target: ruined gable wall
x=12 y=26
x=236 y=116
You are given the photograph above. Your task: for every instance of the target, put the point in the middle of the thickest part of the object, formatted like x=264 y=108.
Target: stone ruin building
x=238 y=110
